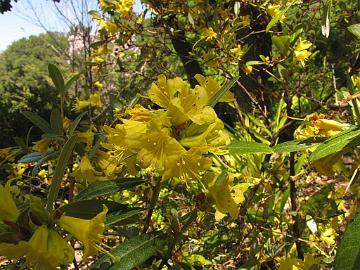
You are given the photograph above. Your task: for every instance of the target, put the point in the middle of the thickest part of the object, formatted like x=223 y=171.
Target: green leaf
x=355 y=29
x=90 y=208
x=282 y=44
x=219 y=94
x=123 y=217
x=296 y=145
x=56 y=122
x=348 y=253
x=71 y=81
x=345 y=139
x=38 y=121
x=242 y=147
x=57 y=78
x=64 y=157
x=316 y=201
x=49 y=156
x=32 y=157
x=107 y=188
x=131 y=253
x=76 y=122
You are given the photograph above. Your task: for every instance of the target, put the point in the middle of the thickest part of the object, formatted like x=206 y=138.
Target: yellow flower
x=211 y=87
x=45 y=250
x=208 y=33
x=187 y=164
x=301 y=53
x=245 y=20
x=98 y=85
x=328 y=236
x=273 y=10
x=95 y=100
x=81 y=104
x=297 y=264
x=8 y=209
x=248 y=69
x=85 y=172
x=226 y=196
x=4 y=152
x=88 y=231
x=42 y=173
x=66 y=123
x=42 y=145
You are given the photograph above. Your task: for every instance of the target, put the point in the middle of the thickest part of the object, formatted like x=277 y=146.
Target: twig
x=154 y=198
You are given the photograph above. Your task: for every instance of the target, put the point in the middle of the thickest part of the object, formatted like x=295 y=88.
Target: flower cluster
x=41 y=244
x=175 y=139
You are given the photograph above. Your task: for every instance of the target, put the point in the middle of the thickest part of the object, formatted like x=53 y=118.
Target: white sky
x=21 y=22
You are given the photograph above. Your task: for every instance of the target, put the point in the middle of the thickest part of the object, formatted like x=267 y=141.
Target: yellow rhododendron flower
x=301 y=53
x=42 y=145
x=85 y=172
x=273 y=10
x=227 y=196
x=187 y=165
x=209 y=33
x=87 y=231
x=66 y=123
x=81 y=104
x=212 y=87
x=248 y=69
x=297 y=264
x=98 y=85
x=320 y=126
x=8 y=209
x=245 y=20
x=328 y=236
x=46 y=250
x=95 y=100
x=42 y=173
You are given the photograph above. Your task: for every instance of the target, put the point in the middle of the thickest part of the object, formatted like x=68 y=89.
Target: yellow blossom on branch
x=87 y=231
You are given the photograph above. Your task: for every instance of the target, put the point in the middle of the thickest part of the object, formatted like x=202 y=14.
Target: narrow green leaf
x=64 y=157
x=131 y=253
x=277 y=18
x=56 y=122
x=296 y=145
x=107 y=188
x=348 y=253
x=76 y=122
x=71 y=81
x=242 y=147
x=38 y=121
x=347 y=138
x=88 y=209
x=282 y=44
x=355 y=29
x=123 y=217
x=226 y=87
x=32 y=157
x=57 y=78
x=49 y=156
